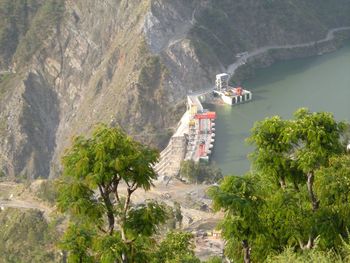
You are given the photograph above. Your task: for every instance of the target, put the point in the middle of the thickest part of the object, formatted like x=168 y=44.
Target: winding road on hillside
x=22 y=204
x=231 y=69
x=16 y=202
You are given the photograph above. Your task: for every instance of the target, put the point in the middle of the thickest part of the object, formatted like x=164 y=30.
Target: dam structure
x=185 y=143
x=193 y=140
x=195 y=133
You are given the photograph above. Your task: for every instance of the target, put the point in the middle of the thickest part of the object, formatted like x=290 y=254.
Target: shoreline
x=266 y=56
x=168 y=166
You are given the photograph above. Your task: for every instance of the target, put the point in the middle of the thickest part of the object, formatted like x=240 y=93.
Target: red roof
x=206 y=115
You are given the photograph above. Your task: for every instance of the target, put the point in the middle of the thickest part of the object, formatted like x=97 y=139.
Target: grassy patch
x=25 y=236
x=7 y=81
x=47 y=191
x=43 y=24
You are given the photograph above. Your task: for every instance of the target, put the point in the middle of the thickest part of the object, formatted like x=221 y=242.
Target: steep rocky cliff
x=67 y=64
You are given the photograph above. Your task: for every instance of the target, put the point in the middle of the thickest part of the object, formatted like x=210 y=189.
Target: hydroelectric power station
x=230 y=95
x=195 y=134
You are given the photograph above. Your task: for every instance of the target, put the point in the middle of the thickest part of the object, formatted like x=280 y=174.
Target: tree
x=214 y=260
x=177 y=213
x=273 y=154
x=317 y=137
x=196 y=172
x=96 y=171
x=332 y=186
x=237 y=196
x=189 y=170
x=295 y=149
x=297 y=193
x=177 y=247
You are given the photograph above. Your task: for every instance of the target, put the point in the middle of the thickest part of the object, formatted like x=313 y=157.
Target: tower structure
x=222 y=81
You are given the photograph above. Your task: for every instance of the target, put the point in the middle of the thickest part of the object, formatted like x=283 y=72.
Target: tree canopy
x=100 y=175
x=297 y=193
x=197 y=172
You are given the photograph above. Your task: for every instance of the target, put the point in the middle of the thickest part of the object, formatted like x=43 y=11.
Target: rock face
x=73 y=63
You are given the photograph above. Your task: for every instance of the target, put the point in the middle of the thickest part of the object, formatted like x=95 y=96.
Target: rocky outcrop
x=127 y=63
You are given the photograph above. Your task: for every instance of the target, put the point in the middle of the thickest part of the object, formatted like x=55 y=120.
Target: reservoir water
x=319 y=83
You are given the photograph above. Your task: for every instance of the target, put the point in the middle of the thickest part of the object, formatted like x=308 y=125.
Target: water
x=320 y=83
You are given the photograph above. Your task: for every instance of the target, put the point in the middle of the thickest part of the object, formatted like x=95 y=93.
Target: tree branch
x=109 y=207
x=115 y=189
x=310 y=183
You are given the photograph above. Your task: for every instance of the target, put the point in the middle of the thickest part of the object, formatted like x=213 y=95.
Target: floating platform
x=230 y=95
x=233 y=96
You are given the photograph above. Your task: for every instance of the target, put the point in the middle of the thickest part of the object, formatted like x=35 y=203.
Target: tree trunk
x=310 y=187
x=315 y=205
x=310 y=243
x=283 y=183
x=296 y=187
x=246 y=250
x=109 y=207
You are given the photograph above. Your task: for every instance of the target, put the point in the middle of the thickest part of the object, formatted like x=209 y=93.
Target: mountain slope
x=70 y=64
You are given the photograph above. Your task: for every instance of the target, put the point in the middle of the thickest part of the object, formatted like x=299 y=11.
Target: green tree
x=78 y=241
x=297 y=194
x=177 y=213
x=317 y=137
x=100 y=175
x=295 y=149
x=238 y=198
x=214 y=260
x=196 y=172
x=26 y=236
x=47 y=191
x=332 y=186
x=189 y=171
x=273 y=154
x=177 y=247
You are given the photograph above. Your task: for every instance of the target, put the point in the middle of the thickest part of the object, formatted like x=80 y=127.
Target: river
x=320 y=83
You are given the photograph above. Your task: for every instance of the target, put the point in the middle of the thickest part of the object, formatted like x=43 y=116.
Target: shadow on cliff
x=39 y=122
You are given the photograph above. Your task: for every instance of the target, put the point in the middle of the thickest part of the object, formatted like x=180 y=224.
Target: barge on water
x=230 y=95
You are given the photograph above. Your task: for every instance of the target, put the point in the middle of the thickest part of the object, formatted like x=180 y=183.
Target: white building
x=222 y=81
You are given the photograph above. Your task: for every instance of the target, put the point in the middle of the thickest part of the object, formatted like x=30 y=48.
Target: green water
x=320 y=83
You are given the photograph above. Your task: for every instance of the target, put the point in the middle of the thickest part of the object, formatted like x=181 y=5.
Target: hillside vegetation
x=225 y=28
x=26 y=236
x=24 y=26
x=128 y=63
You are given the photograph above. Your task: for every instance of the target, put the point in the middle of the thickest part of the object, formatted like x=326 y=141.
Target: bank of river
x=320 y=83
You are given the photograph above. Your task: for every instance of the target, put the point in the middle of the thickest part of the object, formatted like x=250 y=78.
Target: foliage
x=49 y=14
x=200 y=172
x=176 y=248
x=90 y=190
x=224 y=28
x=26 y=237
x=177 y=213
x=332 y=186
x=21 y=27
x=15 y=16
x=239 y=199
x=47 y=191
x=297 y=196
x=289 y=256
x=214 y=260
x=78 y=240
